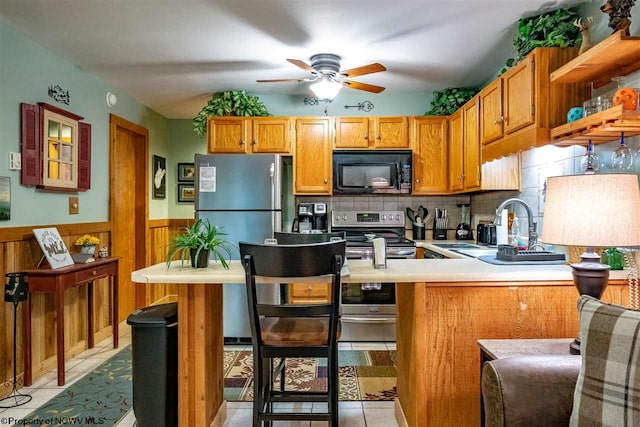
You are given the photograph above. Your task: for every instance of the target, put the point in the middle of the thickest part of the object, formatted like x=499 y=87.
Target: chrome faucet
x=533 y=235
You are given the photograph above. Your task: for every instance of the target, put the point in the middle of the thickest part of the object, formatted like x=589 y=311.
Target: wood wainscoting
x=20 y=251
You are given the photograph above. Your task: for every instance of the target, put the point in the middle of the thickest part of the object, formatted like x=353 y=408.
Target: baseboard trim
x=400 y=418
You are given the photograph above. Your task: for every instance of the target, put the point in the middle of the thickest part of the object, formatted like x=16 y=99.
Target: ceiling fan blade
x=362 y=86
x=302 y=65
x=282 y=80
x=365 y=69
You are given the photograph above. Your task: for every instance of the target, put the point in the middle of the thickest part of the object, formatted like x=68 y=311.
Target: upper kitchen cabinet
x=371 y=132
x=249 y=135
x=429 y=145
x=312 y=156
x=464 y=148
x=518 y=110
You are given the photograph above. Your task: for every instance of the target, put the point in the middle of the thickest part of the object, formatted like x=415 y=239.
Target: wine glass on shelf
x=621 y=158
x=590 y=162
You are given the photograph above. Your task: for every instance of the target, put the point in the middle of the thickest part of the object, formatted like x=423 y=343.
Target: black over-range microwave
x=372 y=172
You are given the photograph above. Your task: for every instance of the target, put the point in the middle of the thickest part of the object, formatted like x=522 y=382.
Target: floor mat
x=363 y=375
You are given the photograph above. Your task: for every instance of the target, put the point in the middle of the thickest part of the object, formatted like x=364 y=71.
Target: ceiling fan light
x=325 y=89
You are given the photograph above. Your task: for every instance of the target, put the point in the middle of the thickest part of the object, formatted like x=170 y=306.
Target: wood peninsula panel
x=438 y=329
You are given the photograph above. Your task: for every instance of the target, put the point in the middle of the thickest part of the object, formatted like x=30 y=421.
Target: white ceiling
x=172 y=54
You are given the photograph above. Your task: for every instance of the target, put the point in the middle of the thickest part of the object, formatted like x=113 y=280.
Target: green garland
x=228 y=103
x=447 y=101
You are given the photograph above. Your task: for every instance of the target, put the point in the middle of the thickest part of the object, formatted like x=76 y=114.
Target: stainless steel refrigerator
x=243 y=194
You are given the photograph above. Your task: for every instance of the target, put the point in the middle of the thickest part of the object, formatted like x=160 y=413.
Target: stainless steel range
x=369 y=309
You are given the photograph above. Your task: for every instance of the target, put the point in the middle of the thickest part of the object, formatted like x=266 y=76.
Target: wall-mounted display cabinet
x=56 y=149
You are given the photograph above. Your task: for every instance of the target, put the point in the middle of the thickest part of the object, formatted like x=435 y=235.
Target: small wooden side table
x=46 y=280
x=501 y=349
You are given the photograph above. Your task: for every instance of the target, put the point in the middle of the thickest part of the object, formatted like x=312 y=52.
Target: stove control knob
x=344 y=217
x=397 y=217
x=384 y=217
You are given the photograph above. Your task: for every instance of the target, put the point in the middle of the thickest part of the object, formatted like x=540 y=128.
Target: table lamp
x=592 y=210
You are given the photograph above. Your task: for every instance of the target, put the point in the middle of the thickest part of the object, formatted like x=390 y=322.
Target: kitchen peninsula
x=444 y=307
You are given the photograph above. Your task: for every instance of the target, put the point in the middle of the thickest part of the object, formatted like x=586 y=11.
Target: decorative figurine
x=619 y=12
x=102 y=253
x=584 y=30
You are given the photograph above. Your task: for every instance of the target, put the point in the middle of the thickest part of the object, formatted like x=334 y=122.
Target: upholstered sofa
x=529 y=390
x=599 y=388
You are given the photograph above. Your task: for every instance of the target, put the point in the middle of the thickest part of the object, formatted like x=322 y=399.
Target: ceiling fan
x=325 y=71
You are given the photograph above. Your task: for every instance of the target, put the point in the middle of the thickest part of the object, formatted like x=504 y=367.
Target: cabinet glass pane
x=53 y=170
x=54 y=129
x=65 y=153
x=66 y=133
x=53 y=150
x=65 y=172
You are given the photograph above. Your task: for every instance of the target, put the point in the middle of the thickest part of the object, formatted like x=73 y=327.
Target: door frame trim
x=141 y=203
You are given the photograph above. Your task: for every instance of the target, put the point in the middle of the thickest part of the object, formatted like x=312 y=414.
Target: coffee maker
x=311 y=218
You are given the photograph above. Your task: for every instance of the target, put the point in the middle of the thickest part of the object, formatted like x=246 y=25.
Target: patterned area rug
x=363 y=375
x=101 y=397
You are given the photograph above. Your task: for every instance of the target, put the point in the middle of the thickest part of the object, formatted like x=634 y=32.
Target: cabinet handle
x=241 y=142
x=378 y=137
x=366 y=137
x=417 y=181
x=326 y=181
x=309 y=288
x=254 y=143
x=94 y=272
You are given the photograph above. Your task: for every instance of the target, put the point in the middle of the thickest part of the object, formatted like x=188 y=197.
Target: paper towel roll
x=379 y=253
x=502 y=231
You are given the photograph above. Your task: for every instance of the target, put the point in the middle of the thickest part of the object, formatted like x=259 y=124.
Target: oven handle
x=370 y=319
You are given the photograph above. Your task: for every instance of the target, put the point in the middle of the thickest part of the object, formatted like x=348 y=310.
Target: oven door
x=368 y=312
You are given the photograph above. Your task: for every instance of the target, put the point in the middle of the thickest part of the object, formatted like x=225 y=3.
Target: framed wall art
x=5 y=198
x=186 y=193
x=53 y=247
x=159 y=177
x=186 y=172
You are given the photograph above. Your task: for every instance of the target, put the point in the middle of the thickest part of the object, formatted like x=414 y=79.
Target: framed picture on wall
x=186 y=193
x=186 y=172
x=5 y=198
x=159 y=177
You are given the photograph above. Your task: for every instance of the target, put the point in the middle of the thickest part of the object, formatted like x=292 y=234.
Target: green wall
x=27 y=69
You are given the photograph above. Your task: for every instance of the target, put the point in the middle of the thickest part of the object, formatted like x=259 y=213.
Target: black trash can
x=154 y=365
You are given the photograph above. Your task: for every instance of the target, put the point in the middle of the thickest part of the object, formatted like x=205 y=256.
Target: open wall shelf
x=598 y=128
x=617 y=55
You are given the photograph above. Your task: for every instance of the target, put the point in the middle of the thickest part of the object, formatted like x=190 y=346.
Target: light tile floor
x=352 y=414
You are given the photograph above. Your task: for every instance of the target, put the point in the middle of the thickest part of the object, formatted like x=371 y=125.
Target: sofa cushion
x=608 y=388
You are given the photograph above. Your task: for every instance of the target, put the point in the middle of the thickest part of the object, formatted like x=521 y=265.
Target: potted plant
x=200 y=240
x=228 y=103
x=87 y=244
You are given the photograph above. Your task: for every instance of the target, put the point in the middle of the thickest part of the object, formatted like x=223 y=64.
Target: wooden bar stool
x=282 y=331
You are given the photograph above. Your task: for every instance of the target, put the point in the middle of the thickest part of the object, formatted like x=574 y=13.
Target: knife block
x=439 y=234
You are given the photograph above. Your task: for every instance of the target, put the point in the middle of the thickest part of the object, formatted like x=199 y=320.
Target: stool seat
x=296 y=331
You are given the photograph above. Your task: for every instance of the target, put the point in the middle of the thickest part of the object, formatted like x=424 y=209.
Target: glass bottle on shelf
x=621 y=158
x=590 y=162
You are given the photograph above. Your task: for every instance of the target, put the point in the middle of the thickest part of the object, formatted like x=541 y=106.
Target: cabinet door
x=429 y=142
x=270 y=135
x=491 y=112
x=312 y=156
x=228 y=134
x=471 y=136
x=391 y=132
x=456 y=151
x=352 y=132
x=519 y=99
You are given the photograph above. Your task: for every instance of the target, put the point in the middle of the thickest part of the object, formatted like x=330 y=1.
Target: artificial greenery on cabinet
x=228 y=103
x=550 y=29
x=447 y=101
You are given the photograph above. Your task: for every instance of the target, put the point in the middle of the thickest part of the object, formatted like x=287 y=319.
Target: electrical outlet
x=15 y=161
x=74 y=206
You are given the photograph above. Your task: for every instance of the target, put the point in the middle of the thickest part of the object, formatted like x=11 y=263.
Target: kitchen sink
x=456 y=246
x=477 y=252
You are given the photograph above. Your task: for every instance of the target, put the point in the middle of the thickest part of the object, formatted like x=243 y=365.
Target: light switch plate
x=74 y=206
x=15 y=161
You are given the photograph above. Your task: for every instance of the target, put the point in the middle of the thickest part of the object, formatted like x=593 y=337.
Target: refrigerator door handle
x=272 y=171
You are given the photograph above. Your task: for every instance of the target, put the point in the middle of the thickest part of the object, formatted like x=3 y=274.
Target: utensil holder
x=418 y=231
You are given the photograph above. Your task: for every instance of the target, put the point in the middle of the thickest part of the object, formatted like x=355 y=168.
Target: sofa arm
x=529 y=390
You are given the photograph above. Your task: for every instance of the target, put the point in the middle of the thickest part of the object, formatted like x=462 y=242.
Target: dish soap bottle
x=515 y=234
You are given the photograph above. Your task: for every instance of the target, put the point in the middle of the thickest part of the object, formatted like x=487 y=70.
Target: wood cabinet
x=312 y=156
x=429 y=145
x=464 y=148
x=309 y=293
x=242 y=135
x=518 y=110
x=372 y=132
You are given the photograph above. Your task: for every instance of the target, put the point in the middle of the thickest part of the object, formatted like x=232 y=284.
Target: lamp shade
x=325 y=88
x=592 y=210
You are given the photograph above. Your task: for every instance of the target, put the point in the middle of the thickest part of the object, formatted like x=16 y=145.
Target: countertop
x=467 y=270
